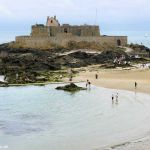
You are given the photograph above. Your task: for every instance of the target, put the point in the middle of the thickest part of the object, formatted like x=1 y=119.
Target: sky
x=109 y=14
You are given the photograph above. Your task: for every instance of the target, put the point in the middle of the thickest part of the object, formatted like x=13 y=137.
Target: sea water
x=42 y=118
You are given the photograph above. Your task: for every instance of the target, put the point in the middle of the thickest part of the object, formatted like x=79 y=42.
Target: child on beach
x=88 y=84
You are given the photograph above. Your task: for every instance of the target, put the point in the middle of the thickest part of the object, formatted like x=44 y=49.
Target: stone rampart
x=62 y=41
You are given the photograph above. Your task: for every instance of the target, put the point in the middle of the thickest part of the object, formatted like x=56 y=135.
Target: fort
x=54 y=35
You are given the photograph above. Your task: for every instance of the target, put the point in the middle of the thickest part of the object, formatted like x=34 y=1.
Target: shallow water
x=40 y=117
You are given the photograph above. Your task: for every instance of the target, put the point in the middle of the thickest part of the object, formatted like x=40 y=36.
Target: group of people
x=145 y=66
x=121 y=60
x=115 y=98
x=88 y=84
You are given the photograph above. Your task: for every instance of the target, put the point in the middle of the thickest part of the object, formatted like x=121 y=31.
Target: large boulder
x=109 y=56
x=3 y=84
x=70 y=88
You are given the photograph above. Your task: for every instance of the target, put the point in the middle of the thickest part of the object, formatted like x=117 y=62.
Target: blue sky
x=111 y=14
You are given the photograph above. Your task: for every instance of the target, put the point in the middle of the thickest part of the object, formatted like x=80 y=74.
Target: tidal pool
x=42 y=118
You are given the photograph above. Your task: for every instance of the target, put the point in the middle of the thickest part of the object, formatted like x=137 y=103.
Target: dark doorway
x=79 y=32
x=65 y=30
x=118 y=42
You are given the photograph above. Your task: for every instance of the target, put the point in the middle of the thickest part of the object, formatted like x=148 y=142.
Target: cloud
x=4 y=11
x=121 y=12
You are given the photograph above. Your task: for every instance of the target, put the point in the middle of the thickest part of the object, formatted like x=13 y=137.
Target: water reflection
x=115 y=103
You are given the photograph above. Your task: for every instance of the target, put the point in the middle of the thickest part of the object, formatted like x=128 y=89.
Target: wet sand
x=118 y=79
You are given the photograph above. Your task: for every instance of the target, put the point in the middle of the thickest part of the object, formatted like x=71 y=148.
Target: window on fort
x=51 y=21
x=65 y=30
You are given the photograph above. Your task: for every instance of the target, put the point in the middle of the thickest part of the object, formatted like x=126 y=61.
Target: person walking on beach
x=135 y=84
x=96 y=76
x=70 y=79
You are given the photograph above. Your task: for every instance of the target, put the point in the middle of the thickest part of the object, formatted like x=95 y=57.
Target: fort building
x=53 y=34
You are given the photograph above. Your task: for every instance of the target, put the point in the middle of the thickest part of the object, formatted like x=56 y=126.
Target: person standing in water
x=87 y=83
x=117 y=98
x=112 y=97
x=135 y=84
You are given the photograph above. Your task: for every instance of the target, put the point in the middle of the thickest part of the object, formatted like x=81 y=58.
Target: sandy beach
x=118 y=79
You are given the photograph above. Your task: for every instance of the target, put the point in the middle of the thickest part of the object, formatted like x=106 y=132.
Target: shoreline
x=118 y=79
x=39 y=84
x=108 y=78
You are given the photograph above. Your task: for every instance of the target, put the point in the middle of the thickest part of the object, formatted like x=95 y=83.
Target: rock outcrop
x=32 y=63
x=70 y=88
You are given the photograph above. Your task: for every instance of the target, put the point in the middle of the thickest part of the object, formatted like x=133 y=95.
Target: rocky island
x=24 y=65
x=70 y=88
x=52 y=49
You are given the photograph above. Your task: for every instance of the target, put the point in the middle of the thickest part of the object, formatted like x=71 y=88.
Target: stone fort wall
x=54 y=35
x=63 y=40
x=48 y=31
